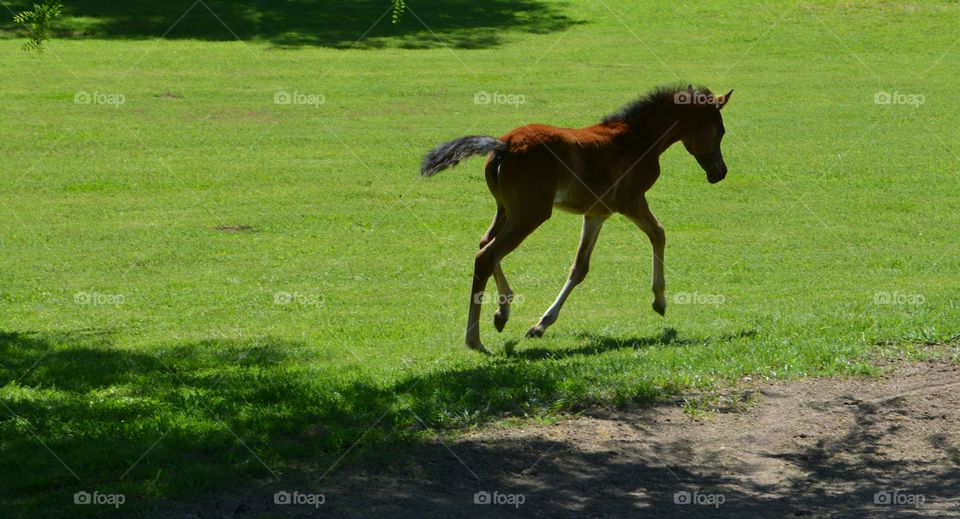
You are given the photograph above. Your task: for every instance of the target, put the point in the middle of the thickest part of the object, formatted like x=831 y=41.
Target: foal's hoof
x=535 y=333
x=476 y=346
x=500 y=320
x=660 y=307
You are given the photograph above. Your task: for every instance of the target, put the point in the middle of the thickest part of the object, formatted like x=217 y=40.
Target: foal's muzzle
x=713 y=164
x=718 y=175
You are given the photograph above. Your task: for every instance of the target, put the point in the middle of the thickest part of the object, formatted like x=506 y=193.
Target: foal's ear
x=723 y=99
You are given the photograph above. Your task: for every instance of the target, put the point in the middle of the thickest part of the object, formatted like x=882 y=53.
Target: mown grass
x=145 y=351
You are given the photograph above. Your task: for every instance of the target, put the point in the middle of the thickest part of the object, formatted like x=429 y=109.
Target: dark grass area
x=195 y=418
x=360 y=24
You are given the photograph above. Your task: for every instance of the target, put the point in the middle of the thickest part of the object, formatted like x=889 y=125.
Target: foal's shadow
x=594 y=344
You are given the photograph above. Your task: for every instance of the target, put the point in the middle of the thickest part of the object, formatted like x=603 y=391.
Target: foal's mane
x=658 y=97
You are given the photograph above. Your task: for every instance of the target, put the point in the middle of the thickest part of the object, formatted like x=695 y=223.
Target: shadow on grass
x=599 y=344
x=360 y=24
x=595 y=471
x=78 y=412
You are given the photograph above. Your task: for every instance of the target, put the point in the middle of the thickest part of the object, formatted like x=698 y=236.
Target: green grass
x=186 y=377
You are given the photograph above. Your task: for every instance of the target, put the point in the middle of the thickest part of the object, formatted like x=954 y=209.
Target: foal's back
x=578 y=166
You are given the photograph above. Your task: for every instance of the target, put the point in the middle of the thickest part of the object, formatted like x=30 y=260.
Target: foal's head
x=705 y=131
x=689 y=114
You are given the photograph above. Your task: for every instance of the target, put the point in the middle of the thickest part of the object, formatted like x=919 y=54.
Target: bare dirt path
x=814 y=448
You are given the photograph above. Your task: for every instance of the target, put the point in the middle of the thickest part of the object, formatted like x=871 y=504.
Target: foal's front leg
x=648 y=223
x=588 y=238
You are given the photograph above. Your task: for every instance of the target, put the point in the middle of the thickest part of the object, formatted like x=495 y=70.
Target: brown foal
x=595 y=171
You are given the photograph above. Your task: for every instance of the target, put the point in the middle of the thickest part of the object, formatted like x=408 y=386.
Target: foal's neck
x=663 y=127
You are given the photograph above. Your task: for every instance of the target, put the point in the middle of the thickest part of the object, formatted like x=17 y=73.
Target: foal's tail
x=451 y=153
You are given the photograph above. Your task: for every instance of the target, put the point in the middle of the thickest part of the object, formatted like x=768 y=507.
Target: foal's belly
x=582 y=201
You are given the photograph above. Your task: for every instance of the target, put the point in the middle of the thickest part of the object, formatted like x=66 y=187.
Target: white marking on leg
x=550 y=316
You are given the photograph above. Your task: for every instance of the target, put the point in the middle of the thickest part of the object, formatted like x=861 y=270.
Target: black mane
x=653 y=98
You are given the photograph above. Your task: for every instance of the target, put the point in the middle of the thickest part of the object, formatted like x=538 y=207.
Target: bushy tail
x=451 y=153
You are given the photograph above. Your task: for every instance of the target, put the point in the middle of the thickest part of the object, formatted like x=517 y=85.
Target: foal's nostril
x=717 y=175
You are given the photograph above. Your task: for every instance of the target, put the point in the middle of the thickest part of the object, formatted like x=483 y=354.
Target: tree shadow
x=840 y=476
x=78 y=412
x=357 y=24
x=859 y=469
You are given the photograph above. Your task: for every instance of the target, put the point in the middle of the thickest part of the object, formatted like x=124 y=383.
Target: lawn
x=204 y=288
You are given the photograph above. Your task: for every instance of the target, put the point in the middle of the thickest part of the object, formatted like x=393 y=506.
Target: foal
x=595 y=171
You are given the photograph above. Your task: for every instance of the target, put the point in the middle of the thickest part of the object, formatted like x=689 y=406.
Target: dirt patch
x=235 y=228
x=815 y=448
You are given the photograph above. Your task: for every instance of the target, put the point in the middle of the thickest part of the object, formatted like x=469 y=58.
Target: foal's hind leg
x=502 y=314
x=504 y=292
x=648 y=223
x=588 y=238
x=508 y=239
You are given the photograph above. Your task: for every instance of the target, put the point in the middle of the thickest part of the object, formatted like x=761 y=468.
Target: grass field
x=204 y=290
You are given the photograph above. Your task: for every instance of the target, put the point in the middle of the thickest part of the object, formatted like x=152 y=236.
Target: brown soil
x=814 y=448
x=235 y=228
